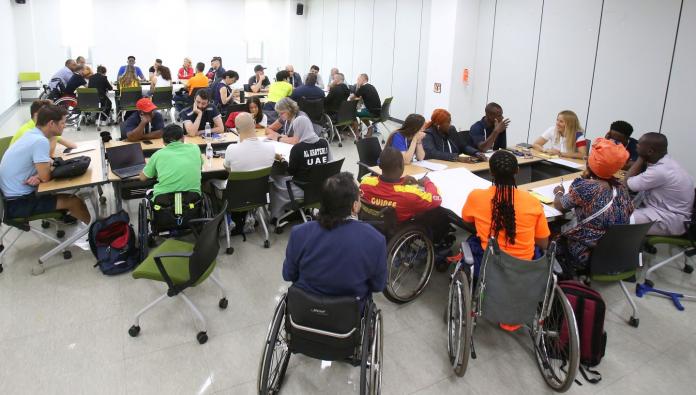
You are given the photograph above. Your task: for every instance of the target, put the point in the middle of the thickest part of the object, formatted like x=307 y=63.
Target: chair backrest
x=347 y=111
x=87 y=98
x=195 y=90
x=369 y=150
x=247 y=190
x=323 y=327
x=314 y=108
x=29 y=76
x=382 y=218
x=230 y=108
x=386 y=107
x=129 y=96
x=315 y=181
x=207 y=246
x=510 y=288
x=162 y=97
x=619 y=249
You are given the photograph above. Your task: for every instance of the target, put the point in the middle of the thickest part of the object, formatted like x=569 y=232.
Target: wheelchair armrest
x=163 y=271
x=467 y=255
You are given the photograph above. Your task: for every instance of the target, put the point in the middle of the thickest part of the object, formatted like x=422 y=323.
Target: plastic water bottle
x=207 y=131
x=209 y=154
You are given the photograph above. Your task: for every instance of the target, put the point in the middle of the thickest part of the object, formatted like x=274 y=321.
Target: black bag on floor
x=112 y=241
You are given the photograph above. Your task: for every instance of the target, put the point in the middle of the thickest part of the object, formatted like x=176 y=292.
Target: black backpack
x=112 y=241
x=68 y=168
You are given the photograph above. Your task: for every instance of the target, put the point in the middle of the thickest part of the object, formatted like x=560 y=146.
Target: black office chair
x=616 y=257
x=314 y=108
x=369 y=150
x=383 y=117
x=311 y=187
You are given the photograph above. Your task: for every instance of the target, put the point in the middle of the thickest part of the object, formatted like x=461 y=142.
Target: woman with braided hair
x=514 y=217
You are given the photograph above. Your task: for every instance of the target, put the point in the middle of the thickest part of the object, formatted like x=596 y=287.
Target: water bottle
x=209 y=154
x=207 y=131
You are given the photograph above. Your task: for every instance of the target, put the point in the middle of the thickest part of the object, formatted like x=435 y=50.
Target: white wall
x=8 y=84
x=385 y=39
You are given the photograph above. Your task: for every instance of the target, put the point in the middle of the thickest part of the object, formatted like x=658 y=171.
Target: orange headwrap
x=440 y=116
x=606 y=157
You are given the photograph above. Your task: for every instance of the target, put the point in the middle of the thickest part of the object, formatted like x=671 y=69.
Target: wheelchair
x=511 y=290
x=410 y=253
x=168 y=216
x=326 y=328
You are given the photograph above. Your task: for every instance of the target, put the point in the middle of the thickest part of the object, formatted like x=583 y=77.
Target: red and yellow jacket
x=407 y=200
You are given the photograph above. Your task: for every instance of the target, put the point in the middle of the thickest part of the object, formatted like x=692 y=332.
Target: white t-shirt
x=249 y=155
x=264 y=121
x=550 y=136
x=161 y=82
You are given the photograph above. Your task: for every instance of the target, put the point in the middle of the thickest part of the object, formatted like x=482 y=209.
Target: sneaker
x=510 y=327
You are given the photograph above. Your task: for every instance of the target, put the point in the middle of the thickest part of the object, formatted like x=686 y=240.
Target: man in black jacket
x=338 y=93
x=443 y=142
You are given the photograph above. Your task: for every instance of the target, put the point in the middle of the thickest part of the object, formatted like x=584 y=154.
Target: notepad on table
x=567 y=163
x=430 y=165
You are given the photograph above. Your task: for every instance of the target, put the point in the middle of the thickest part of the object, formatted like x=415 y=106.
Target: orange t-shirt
x=197 y=81
x=530 y=221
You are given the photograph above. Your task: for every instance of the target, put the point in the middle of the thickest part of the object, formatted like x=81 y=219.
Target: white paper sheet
x=455 y=186
x=430 y=165
x=550 y=211
x=567 y=163
x=280 y=148
x=547 y=190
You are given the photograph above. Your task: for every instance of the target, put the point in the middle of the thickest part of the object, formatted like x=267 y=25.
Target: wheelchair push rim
x=276 y=353
x=371 y=361
x=556 y=343
x=459 y=323
x=409 y=265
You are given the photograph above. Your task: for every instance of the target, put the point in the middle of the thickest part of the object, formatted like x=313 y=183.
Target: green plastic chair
x=88 y=103
x=24 y=224
x=346 y=115
x=26 y=77
x=127 y=99
x=247 y=191
x=162 y=97
x=382 y=118
x=182 y=265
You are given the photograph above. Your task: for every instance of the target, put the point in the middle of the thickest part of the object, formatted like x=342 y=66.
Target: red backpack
x=589 y=309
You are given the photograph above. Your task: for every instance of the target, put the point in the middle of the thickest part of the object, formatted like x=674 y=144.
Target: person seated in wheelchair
x=667 y=188
x=177 y=168
x=31 y=124
x=412 y=199
x=598 y=200
x=144 y=124
x=60 y=79
x=337 y=255
x=308 y=152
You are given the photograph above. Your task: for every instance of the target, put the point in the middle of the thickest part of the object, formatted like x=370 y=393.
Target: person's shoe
x=68 y=219
x=510 y=327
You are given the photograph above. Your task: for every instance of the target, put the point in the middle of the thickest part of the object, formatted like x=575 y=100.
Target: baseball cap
x=258 y=67
x=145 y=105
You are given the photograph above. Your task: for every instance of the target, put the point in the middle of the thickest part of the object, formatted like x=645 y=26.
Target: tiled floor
x=65 y=332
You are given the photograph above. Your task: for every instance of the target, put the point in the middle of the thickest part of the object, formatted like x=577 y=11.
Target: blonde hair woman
x=565 y=139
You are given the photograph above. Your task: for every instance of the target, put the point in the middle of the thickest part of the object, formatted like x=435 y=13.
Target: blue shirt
x=349 y=260
x=138 y=72
x=479 y=133
x=133 y=121
x=216 y=93
x=399 y=142
x=63 y=74
x=18 y=163
x=632 y=149
x=308 y=92
x=209 y=114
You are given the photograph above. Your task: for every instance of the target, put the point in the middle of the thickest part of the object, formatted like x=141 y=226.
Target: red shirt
x=185 y=74
x=407 y=200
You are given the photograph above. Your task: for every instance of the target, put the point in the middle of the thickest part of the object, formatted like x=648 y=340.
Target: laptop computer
x=126 y=160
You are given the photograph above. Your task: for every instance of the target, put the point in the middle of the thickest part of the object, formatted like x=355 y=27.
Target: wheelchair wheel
x=556 y=343
x=459 y=323
x=371 y=355
x=409 y=264
x=143 y=229
x=275 y=353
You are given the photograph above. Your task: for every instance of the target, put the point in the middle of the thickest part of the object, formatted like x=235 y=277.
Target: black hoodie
x=445 y=147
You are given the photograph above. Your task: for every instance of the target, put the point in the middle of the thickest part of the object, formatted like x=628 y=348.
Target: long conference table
x=456 y=179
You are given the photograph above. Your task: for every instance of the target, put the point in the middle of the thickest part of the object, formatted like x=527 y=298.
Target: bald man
x=668 y=189
x=295 y=78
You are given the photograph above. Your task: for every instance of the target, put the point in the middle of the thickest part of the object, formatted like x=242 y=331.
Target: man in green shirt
x=31 y=124
x=177 y=166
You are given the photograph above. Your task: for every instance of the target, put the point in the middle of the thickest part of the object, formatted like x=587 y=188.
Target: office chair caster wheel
x=229 y=250
x=202 y=337
x=134 y=331
x=60 y=234
x=67 y=254
x=649 y=283
x=688 y=269
x=340 y=145
x=45 y=224
x=102 y=200
x=266 y=244
x=223 y=303
x=633 y=321
x=78 y=129
x=151 y=242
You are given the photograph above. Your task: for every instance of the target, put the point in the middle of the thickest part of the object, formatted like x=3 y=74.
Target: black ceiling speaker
x=300 y=8
x=21 y=1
